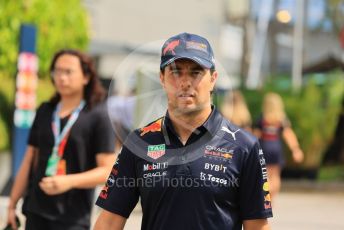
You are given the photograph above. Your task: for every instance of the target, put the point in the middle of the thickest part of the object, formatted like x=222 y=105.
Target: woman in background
x=70 y=150
x=270 y=128
x=235 y=110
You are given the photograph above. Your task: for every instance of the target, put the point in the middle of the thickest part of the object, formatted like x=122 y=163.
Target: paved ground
x=309 y=211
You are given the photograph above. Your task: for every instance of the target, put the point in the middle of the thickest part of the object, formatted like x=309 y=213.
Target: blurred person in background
x=70 y=150
x=273 y=126
x=121 y=112
x=234 y=108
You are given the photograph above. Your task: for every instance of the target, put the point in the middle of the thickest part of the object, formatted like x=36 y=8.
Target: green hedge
x=6 y=109
x=60 y=24
x=7 y=89
x=331 y=173
x=313 y=111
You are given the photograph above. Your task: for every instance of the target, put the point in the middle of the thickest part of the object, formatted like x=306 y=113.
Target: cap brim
x=202 y=62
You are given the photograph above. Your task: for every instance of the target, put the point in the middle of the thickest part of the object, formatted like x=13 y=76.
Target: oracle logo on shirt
x=218 y=152
x=154 y=174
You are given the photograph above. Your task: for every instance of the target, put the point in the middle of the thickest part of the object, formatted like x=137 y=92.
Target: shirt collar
x=214 y=121
x=212 y=124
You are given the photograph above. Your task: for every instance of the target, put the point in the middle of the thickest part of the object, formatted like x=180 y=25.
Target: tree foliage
x=60 y=24
x=313 y=112
x=335 y=11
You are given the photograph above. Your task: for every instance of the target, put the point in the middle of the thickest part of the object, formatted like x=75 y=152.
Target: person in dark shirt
x=70 y=149
x=271 y=128
x=192 y=168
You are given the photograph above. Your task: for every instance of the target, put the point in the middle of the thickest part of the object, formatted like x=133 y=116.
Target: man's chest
x=209 y=166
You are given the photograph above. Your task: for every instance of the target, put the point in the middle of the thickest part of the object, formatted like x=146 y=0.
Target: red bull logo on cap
x=171 y=46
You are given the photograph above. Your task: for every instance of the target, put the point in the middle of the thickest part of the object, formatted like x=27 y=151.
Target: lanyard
x=60 y=137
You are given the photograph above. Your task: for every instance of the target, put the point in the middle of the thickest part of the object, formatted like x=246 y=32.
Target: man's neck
x=68 y=104
x=186 y=123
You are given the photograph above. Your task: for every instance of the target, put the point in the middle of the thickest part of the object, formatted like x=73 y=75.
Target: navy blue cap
x=189 y=46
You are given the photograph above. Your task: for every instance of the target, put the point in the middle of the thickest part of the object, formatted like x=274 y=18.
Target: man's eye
x=175 y=73
x=197 y=73
x=69 y=71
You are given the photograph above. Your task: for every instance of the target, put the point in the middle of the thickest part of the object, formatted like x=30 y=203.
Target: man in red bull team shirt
x=192 y=168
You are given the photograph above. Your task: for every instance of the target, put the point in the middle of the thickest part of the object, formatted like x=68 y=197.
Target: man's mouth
x=186 y=95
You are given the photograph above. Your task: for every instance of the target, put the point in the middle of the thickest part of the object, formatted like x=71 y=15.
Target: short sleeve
x=103 y=136
x=255 y=200
x=120 y=194
x=34 y=130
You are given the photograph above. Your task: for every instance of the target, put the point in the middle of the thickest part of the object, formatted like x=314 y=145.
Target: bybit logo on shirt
x=215 y=167
x=155 y=166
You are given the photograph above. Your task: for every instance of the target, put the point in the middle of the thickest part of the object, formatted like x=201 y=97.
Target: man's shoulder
x=139 y=139
x=237 y=135
x=152 y=128
x=150 y=131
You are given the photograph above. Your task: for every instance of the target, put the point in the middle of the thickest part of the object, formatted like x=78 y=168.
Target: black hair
x=93 y=91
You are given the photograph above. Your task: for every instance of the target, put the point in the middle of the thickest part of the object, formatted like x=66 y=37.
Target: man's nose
x=185 y=80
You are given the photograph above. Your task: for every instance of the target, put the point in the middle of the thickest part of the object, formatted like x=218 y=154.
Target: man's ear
x=213 y=77
x=162 y=79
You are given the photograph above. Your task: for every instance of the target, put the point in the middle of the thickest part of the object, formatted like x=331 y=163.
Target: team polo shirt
x=216 y=180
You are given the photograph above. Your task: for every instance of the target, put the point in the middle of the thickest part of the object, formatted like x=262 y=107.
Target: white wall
x=135 y=22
